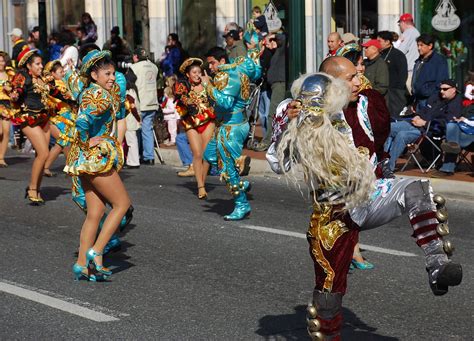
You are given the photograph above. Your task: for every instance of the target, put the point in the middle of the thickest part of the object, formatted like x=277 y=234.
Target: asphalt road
x=184 y=273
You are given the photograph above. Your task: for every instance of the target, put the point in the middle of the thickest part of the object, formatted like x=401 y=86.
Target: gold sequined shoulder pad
x=95 y=101
x=221 y=80
x=245 y=86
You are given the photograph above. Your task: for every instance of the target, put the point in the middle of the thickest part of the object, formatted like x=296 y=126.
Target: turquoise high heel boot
x=114 y=243
x=127 y=218
x=77 y=270
x=246 y=186
x=242 y=206
x=90 y=255
x=365 y=265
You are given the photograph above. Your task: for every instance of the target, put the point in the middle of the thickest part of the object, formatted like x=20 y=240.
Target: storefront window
x=67 y=13
x=456 y=44
x=131 y=21
x=356 y=16
x=198 y=26
x=19 y=15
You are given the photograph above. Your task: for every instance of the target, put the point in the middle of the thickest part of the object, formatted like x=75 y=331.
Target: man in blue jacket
x=429 y=70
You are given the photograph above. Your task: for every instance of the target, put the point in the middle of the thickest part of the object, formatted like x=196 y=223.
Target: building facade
x=200 y=23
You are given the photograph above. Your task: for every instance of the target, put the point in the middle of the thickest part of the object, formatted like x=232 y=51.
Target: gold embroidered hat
x=24 y=55
x=188 y=62
x=91 y=58
x=348 y=48
x=49 y=66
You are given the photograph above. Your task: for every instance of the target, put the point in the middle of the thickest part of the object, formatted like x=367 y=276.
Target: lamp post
x=296 y=56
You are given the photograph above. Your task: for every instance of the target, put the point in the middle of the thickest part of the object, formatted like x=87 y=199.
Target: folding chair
x=157 y=149
x=414 y=149
x=464 y=156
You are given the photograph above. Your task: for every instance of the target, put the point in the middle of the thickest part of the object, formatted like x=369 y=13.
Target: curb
x=450 y=188
x=257 y=166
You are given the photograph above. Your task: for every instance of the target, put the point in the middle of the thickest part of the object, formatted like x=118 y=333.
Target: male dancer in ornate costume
x=338 y=157
x=230 y=91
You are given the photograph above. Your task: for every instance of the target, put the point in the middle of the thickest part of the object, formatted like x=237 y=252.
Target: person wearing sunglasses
x=440 y=108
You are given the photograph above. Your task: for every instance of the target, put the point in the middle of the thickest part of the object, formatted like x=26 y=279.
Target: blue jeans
x=147 y=135
x=184 y=151
x=454 y=134
x=401 y=134
x=263 y=108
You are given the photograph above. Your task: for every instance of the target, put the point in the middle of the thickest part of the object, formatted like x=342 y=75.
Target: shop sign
x=445 y=19
x=271 y=15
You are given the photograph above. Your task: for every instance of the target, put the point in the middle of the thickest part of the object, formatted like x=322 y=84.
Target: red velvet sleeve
x=379 y=117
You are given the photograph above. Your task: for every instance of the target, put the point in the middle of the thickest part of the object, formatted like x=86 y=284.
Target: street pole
x=297 y=42
x=43 y=33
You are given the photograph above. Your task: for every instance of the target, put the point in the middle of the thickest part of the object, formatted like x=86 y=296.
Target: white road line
x=303 y=236
x=56 y=303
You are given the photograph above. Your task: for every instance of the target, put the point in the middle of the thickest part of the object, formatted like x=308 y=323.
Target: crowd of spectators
x=420 y=96
x=405 y=69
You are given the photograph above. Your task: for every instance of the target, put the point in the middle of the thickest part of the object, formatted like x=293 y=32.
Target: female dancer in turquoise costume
x=95 y=157
x=230 y=91
x=63 y=122
x=75 y=84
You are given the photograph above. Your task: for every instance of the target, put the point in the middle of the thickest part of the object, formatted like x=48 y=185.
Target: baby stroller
x=252 y=113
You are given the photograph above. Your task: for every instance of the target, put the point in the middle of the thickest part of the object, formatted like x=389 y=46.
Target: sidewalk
x=461 y=184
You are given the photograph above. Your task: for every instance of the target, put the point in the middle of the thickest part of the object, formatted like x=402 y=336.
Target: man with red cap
x=376 y=69
x=408 y=43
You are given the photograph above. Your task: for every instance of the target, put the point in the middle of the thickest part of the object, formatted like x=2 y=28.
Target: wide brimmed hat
x=342 y=51
x=188 y=62
x=49 y=66
x=348 y=38
x=91 y=58
x=24 y=55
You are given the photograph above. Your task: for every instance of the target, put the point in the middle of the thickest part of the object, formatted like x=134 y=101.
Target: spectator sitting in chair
x=441 y=108
x=459 y=134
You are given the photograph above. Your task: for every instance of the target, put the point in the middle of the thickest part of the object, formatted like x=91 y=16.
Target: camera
x=124 y=65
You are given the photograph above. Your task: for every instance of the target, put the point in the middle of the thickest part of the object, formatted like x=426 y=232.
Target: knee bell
x=316 y=336
x=312 y=312
x=313 y=325
x=442 y=215
x=448 y=247
x=442 y=229
x=439 y=200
